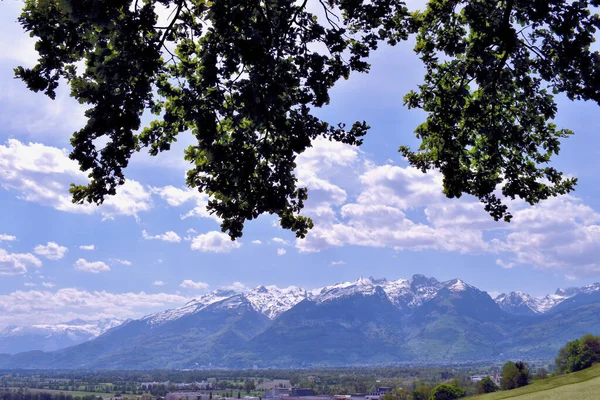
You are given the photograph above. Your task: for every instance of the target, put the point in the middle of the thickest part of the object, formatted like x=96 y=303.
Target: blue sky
x=154 y=247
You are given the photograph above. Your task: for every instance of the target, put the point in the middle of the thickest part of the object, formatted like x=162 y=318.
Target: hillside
x=581 y=385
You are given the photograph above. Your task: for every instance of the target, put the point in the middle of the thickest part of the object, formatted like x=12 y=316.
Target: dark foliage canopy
x=245 y=77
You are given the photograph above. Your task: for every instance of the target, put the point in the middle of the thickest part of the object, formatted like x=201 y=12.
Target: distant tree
x=421 y=393
x=447 y=391
x=401 y=394
x=486 y=385
x=515 y=375
x=239 y=395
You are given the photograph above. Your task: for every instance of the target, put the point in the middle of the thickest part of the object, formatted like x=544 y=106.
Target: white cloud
x=237 y=287
x=176 y=197
x=42 y=174
x=190 y=284
x=90 y=266
x=256 y=242
x=29 y=284
x=281 y=252
x=43 y=306
x=48 y=284
x=168 y=236
x=158 y=283
x=506 y=265
x=214 y=241
x=400 y=187
x=7 y=238
x=559 y=233
x=87 y=247
x=51 y=251
x=280 y=241
x=119 y=261
x=337 y=263
x=17 y=263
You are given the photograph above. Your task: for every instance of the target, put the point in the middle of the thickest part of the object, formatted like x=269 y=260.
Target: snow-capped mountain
x=190 y=308
x=523 y=304
x=50 y=337
x=403 y=293
x=270 y=301
x=273 y=301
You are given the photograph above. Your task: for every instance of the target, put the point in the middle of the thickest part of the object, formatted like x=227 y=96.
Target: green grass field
x=582 y=385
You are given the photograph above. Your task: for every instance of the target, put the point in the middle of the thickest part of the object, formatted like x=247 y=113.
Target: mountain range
x=365 y=322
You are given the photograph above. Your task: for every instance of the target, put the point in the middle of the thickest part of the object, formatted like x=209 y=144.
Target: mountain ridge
x=363 y=321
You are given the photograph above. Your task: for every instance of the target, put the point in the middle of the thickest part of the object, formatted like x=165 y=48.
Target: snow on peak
x=457 y=285
x=273 y=301
x=364 y=286
x=191 y=307
x=538 y=305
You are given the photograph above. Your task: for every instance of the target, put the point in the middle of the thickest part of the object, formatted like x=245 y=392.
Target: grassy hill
x=582 y=385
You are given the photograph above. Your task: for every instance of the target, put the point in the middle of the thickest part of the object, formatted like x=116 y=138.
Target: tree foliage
x=515 y=375
x=244 y=77
x=578 y=354
x=446 y=391
x=486 y=385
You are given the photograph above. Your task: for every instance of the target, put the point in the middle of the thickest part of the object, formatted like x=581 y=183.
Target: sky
x=153 y=246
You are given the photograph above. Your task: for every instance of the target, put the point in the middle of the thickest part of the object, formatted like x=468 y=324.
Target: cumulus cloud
x=190 y=284
x=87 y=247
x=281 y=252
x=213 y=241
x=51 y=251
x=7 y=238
x=17 y=263
x=43 y=306
x=48 y=284
x=337 y=263
x=94 y=267
x=42 y=174
x=168 y=236
x=256 y=242
x=158 y=283
x=401 y=208
x=559 y=233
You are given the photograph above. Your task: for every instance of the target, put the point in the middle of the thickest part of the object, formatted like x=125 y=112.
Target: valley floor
x=582 y=385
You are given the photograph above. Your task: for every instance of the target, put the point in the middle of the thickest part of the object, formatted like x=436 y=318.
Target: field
x=582 y=385
x=76 y=393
